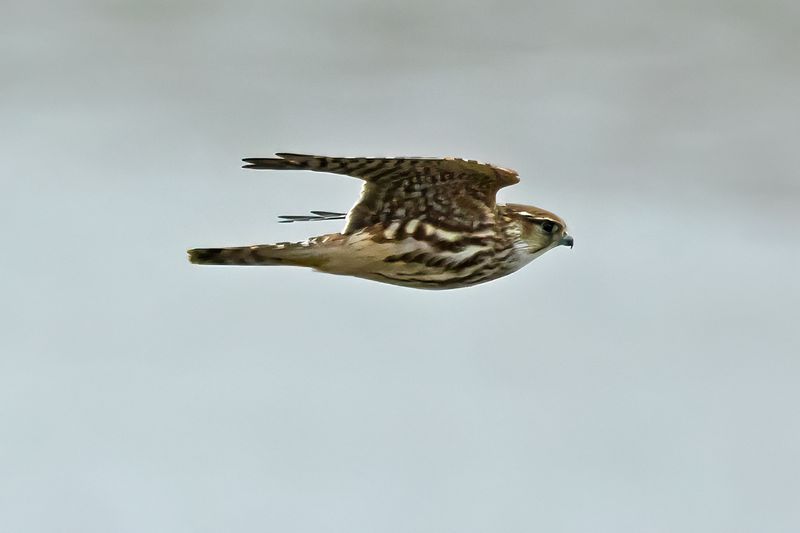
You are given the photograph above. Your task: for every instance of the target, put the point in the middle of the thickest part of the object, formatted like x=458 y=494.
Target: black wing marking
x=314 y=216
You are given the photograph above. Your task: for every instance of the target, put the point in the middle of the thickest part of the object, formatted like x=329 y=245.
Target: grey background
x=646 y=381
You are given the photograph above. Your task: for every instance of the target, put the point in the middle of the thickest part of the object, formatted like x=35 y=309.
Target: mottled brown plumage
x=420 y=222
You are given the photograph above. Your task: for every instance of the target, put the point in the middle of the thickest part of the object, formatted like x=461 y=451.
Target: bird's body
x=422 y=223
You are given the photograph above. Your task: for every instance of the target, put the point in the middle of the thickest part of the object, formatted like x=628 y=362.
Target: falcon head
x=540 y=230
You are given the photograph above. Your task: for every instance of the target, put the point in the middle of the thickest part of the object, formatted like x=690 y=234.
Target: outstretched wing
x=452 y=194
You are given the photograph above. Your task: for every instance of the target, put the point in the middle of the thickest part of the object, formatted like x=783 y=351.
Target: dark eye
x=548 y=226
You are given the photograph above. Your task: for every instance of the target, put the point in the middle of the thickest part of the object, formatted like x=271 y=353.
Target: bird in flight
x=427 y=223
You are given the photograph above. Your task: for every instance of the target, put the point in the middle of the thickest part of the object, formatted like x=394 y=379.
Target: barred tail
x=293 y=254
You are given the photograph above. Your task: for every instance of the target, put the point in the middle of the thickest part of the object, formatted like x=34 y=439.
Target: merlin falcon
x=426 y=223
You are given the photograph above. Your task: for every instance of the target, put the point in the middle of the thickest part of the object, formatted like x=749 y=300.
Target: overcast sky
x=645 y=381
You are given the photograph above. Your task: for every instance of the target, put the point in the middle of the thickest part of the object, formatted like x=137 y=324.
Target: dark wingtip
x=314 y=216
x=281 y=162
x=329 y=214
x=256 y=162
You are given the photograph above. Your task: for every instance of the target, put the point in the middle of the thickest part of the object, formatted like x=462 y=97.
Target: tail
x=292 y=254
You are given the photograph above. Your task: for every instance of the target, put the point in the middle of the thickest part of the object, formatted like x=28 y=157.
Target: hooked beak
x=567 y=240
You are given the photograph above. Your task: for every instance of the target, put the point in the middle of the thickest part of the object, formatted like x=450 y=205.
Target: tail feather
x=293 y=254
